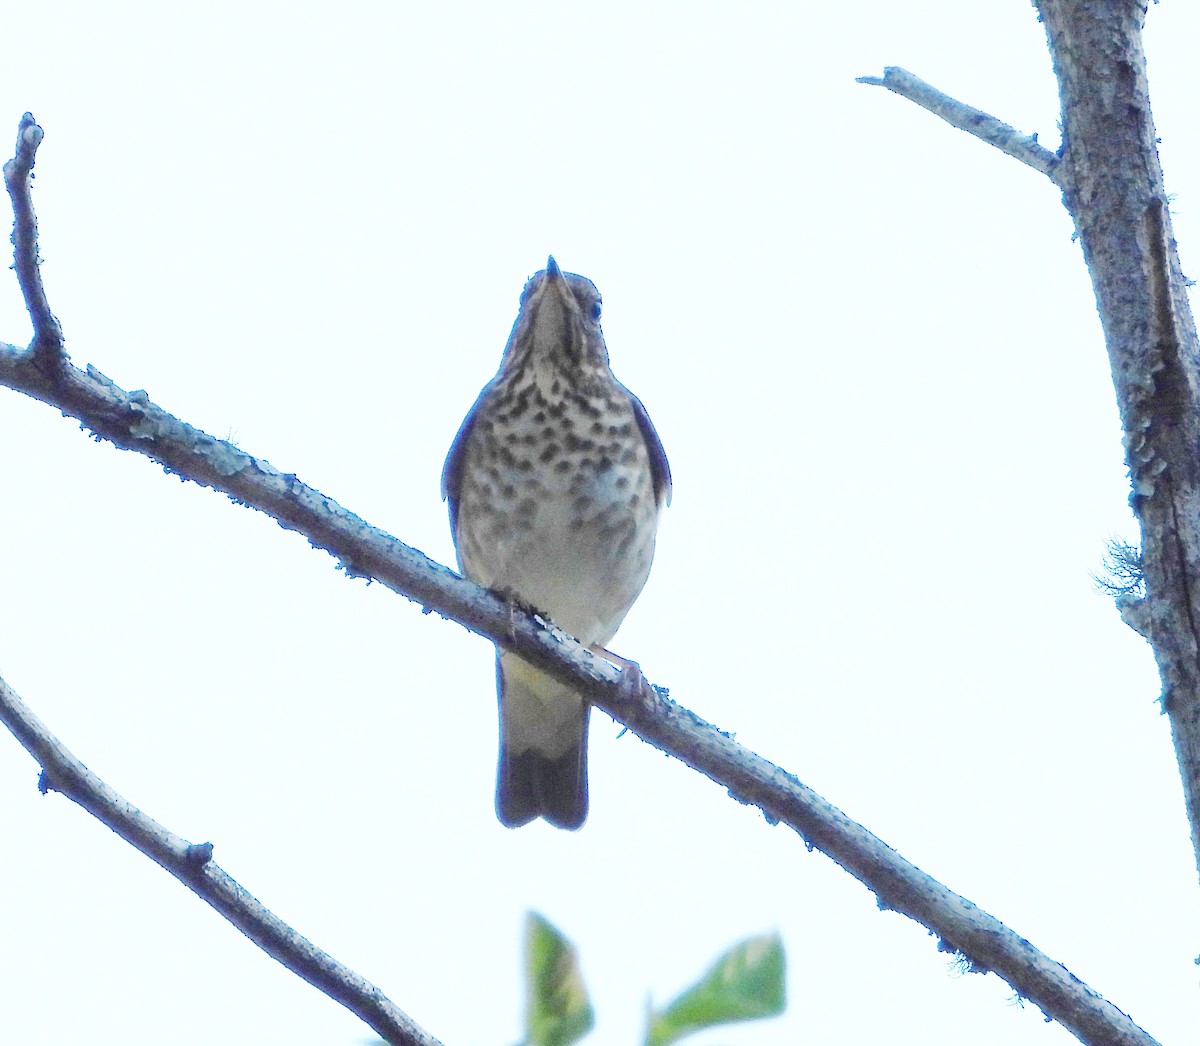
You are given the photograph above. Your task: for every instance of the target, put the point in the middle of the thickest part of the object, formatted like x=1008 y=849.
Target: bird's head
x=558 y=324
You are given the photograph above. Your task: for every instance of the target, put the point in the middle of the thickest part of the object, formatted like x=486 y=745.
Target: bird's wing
x=452 y=470
x=660 y=470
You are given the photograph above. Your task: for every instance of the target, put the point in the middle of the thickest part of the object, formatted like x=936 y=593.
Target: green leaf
x=559 y=1011
x=746 y=983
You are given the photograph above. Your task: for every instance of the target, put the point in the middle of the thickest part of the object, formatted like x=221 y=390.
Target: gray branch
x=131 y=421
x=1112 y=185
x=1112 y=182
x=1113 y=188
x=193 y=866
x=47 y=344
x=1007 y=139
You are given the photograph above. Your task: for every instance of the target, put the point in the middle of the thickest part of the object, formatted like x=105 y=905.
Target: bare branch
x=987 y=128
x=192 y=865
x=985 y=942
x=132 y=422
x=1113 y=188
x=1112 y=184
x=47 y=344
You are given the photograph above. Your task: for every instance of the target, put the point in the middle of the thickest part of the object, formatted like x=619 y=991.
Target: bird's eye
x=596 y=310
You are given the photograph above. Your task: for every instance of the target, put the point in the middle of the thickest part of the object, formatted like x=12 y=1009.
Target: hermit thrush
x=555 y=482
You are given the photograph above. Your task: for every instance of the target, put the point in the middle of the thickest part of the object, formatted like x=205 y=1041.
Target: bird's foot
x=512 y=620
x=615 y=659
x=633 y=686
x=516 y=606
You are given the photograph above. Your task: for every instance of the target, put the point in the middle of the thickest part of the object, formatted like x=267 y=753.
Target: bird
x=555 y=484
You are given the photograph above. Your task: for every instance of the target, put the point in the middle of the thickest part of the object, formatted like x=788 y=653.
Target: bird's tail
x=543 y=748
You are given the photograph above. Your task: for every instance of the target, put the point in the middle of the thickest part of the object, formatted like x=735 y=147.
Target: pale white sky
x=870 y=347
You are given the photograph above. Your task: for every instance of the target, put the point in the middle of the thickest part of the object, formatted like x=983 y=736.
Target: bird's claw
x=633 y=684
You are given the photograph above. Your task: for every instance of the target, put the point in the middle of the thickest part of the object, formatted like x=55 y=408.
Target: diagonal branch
x=47 y=344
x=1007 y=139
x=132 y=422
x=192 y=865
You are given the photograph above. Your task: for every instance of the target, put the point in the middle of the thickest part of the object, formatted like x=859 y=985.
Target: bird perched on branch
x=555 y=483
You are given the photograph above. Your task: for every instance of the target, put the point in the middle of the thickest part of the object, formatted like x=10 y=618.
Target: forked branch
x=1112 y=182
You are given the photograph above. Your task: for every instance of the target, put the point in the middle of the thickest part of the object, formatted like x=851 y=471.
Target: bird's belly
x=576 y=546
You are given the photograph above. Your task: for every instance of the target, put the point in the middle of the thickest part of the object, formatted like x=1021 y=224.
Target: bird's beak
x=555 y=287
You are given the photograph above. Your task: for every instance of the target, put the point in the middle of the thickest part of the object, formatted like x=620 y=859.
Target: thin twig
x=1004 y=137
x=132 y=422
x=47 y=344
x=192 y=865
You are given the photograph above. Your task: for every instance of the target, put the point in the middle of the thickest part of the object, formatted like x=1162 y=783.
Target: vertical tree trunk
x=1113 y=187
